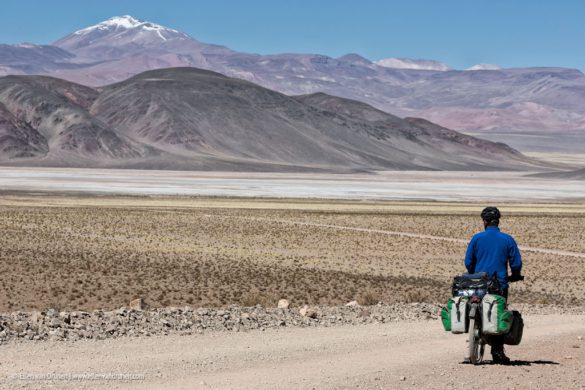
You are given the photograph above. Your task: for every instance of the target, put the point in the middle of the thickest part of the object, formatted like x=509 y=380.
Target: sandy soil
x=413 y=185
x=397 y=355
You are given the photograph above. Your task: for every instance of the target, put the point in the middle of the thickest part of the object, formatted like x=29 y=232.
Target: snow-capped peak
x=409 y=63
x=485 y=67
x=120 y=32
x=125 y=22
x=27 y=45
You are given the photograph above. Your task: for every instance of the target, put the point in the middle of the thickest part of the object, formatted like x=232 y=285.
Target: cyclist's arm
x=514 y=257
x=470 y=258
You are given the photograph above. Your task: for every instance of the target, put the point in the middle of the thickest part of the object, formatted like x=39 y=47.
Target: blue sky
x=461 y=33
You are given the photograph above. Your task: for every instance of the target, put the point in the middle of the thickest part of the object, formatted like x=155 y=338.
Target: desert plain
x=87 y=252
x=84 y=252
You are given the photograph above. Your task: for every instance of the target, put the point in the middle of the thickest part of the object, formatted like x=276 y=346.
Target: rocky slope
x=18 y=139
x=49 y=118
x=482 y=98
x=186 y=118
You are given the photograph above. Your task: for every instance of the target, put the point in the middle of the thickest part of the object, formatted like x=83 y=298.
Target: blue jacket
x=490 y=251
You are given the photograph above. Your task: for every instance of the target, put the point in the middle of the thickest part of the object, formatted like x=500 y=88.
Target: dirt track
x=428 y=237
x=397 y=355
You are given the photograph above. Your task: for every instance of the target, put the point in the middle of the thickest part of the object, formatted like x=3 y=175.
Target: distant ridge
x=193 y=119
x=484 y=98
x=409 y=63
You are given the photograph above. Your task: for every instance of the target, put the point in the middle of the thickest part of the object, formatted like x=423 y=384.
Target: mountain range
x=482 y=98
x=194 y=119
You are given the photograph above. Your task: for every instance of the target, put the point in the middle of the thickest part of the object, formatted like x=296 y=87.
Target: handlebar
x=516 y=278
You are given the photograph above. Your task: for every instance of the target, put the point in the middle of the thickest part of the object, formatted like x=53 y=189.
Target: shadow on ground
x=519 y=363
x=530 y=363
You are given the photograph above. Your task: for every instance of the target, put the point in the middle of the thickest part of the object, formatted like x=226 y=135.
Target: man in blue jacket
x=490 y=251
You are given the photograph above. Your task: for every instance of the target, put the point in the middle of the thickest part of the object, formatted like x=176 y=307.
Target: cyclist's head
x=491 y=216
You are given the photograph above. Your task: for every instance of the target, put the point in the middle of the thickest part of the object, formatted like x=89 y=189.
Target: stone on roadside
x=55 y=323
x=57 y=334
x=283 y=304
x=303 y=310
x=36 y=317
x=310 y=312
x=65 y=316
x=111 y=329
x=352 y=304
x=138 y=304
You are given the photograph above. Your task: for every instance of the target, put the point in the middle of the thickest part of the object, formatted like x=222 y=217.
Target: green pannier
x=454 y=316
x=446 y=318
x=496 y=320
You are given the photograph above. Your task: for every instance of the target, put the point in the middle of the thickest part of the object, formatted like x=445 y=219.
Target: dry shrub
x=368 y=299
x=254 y=298
x=417 y=296
x=101 y=257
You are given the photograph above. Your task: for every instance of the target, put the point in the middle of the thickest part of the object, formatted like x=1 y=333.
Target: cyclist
x=491 y=251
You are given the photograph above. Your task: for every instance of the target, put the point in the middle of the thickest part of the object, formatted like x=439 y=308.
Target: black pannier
x=514 y=336
x=478 y=284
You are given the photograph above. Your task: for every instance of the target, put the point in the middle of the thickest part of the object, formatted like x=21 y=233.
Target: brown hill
x=53 y=114
x=186 y=118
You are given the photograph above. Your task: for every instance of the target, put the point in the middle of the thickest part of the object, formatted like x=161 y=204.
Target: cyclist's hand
x=516 y=277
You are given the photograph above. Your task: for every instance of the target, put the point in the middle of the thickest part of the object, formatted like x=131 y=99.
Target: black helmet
x=490 y=214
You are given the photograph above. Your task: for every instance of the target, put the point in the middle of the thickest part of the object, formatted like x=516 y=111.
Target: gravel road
x=393 y=355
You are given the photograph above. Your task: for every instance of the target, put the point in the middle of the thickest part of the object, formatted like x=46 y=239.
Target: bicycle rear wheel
x=475 y=346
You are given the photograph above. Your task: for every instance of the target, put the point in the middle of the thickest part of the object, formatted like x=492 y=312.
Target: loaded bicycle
x=478 y=307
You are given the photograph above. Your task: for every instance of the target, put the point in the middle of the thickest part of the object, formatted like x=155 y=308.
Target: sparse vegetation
x=55 y=253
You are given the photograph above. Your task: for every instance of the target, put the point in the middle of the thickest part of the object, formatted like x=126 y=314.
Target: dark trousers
x=497 y=342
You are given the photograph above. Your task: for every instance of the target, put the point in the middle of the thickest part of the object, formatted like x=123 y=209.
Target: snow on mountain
x=485 y=67
x=409 y=63
x=124 y=22
x=27 y=45
x=120 y=34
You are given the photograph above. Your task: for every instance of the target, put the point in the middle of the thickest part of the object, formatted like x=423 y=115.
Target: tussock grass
x=82 y=254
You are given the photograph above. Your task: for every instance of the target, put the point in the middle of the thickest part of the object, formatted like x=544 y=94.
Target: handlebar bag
x=495 y=319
